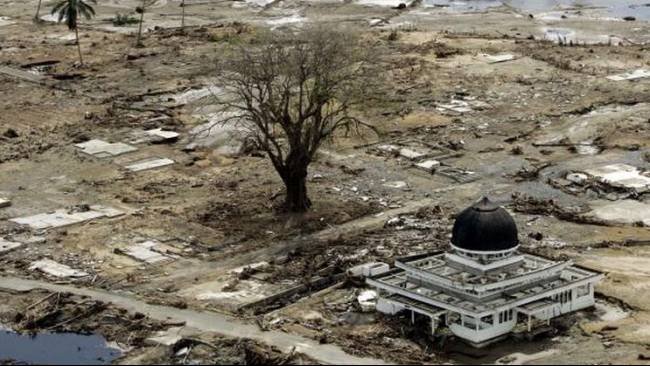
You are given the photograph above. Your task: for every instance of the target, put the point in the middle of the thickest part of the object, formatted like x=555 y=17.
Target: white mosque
x=483 y=288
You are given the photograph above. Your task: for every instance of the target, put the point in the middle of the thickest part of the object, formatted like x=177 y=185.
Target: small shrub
x=121 y=20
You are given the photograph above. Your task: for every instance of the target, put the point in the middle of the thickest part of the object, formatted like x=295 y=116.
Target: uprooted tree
x=293 y=92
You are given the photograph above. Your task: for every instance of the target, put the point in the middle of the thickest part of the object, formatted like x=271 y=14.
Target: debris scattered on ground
x=411 y=154
x=623 y=212
x=493 y=59
x=65 y=217
x=7 y=246
x=55 y=269
x=368 y=269
x=367 y=300
x=146 y=252
x=4 y=202
x=149 y=163
x=157 y=135
x=428 y=165
x=167 y=337
x=539 y=206
x=103 y=149
x=462 y=105
x=622 y=176
x=632 y=75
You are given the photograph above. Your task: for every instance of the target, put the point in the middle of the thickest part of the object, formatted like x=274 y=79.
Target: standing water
x=618 y=9
x=55 y=349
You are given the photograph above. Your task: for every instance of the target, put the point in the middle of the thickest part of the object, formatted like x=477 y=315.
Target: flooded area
x=55 y=349
x=616 y=9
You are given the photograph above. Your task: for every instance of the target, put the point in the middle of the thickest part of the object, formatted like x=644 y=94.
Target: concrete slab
x=368 y=269
x=55 y=269
x=22 y=75
x=621 y=176
x=367 y=300
x=163 y=134
x=632 y=75
x=391 y=149
x=157 y=135
x=150 y=163
x=428 y=165
x=144 y=252
x=103 y=149
x=107 y=211
x=4 y=202
x=626 y=212
x=64 y=217
x=7 y=246
x=466 y=105
x=493 y=59
x=411 y=154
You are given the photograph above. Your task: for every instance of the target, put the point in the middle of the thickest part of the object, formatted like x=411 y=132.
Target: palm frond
x=57 y=7
x=69 y=10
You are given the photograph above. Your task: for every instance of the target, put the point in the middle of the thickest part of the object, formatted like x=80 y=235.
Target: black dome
x=484 y=227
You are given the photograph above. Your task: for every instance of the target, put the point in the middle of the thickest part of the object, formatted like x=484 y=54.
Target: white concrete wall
x=388 y=307
x=480 y=336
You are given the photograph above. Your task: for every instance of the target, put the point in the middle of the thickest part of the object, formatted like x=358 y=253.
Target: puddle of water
x=610 y=8
x=463 y=5
x=56 y=349
x=389 y=3
x=617 y=9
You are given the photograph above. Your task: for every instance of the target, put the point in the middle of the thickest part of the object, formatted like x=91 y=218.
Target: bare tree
x=295 y=91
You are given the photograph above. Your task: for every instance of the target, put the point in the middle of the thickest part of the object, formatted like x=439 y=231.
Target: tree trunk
x=294 y=176
x=76 y=32
x=183 y=16
x=38 y=11
x=297 y=199
x=138 y=43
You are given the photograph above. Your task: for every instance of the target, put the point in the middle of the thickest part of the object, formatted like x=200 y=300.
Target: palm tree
x=70 y=11
x=141 y=10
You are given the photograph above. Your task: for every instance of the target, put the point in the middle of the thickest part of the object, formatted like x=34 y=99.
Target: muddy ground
x=133 y=335
x=531 y=120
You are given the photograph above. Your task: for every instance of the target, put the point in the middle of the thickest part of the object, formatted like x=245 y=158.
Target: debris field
x=117 y=177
